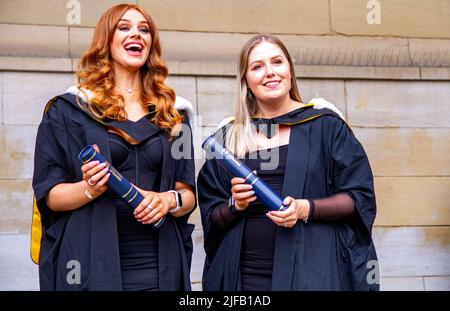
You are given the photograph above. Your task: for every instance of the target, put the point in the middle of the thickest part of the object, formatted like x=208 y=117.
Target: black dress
x=138 y=243
x=258 y=243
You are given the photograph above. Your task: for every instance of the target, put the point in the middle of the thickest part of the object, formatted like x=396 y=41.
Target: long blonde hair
x=96 y=74
x=241 y=136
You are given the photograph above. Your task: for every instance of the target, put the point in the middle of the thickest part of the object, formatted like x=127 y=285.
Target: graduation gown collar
x=138 y=130
x=299 y=115
x=315 y=108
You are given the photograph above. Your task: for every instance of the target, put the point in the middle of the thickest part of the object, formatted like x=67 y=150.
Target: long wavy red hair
x=96 y=73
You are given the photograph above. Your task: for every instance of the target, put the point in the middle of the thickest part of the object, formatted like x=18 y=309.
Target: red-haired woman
x=91 y=239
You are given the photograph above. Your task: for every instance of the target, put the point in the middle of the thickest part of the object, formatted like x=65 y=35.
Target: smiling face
x=131 y=42
x=268 y=73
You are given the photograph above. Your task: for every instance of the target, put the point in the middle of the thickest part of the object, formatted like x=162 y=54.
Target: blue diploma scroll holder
x=237 y=168
x=119 y=184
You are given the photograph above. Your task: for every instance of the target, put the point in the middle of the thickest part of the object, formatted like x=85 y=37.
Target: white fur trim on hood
x=75 y=90
x=320 y=103
x=224 y=122
x=180 y=102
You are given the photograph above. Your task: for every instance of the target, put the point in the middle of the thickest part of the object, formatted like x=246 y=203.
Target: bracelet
x=312 y=208
x=305 y=220
x=178 y=205
x=233 y=208
x=86 y=192
x=176 y=209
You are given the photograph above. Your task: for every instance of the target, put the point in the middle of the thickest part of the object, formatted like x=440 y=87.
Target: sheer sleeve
x=338 y=206
x=224 y=217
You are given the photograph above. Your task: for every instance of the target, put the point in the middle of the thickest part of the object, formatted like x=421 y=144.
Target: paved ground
x=18 y=272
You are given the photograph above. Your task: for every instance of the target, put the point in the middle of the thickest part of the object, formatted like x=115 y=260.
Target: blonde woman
x=123 y=107
x=309 y=156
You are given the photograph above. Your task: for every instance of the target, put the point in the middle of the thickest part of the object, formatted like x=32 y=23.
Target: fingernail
x=252 y=192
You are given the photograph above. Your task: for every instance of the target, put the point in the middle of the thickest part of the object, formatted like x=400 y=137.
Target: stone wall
x=391 y=80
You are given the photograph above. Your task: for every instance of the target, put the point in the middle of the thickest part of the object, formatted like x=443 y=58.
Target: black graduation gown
x=324 y=158
x=89 y=234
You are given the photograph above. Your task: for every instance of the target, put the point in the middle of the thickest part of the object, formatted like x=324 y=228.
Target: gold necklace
x=129 y=91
